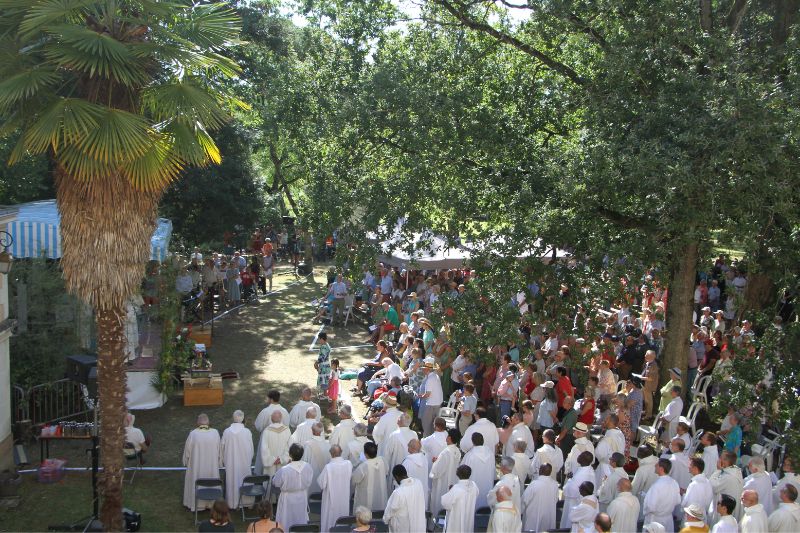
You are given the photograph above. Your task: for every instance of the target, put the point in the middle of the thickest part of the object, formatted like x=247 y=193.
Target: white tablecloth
x=141 y=393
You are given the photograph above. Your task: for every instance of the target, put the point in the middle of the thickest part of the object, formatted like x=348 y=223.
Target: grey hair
x=277 y=416
x=402 y=420
x=756 y=463
x=362 y=514
x=347 y=410
x=507 y=462
x=336 y=451
x=317 y=428
x=311 y=412
x=238 y=415
x=359 y=430
x=202 y=419
x=520 y=446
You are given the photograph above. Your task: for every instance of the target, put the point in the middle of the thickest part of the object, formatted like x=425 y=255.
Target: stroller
x=249 y=288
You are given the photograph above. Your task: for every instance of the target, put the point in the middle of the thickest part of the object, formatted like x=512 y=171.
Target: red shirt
x=564 y=388
x=587 y=417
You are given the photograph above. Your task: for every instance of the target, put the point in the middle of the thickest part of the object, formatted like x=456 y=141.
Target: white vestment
x=303 y=432
x=583 y=514
x=298 y=414
x=459 y=502
x=547 y=454
x=785 y=519
x=644 y=478
x=505 y=519
x=274 y=447
x=726 y=524
x=660 y=502
x=433 y=445
x=236 y=455
x=680 y=470
x=355 y=450
x=335 y=484
x=484 y=427
x=512 y=482
x=612 y=442
x=263 y=421
x=608 y=490
x=699 y=492
x=317 y=453
x=294 y=480
x=369 y=482
x=754 y=520
x=405 y=510
x=624 y=513
x=481 y=461
x=572 y=495
x=201 y=459
x=443 y=475
x=522 y=464
x=520 y=432
x=416 y=465
x=582 y=444
x=672 y=416
x=710 y=459
x=385 y=426
x=762 y=484
x=539 y=504
x=789 y=478
x=341 y=436
x=396 y=449
x=727 y=481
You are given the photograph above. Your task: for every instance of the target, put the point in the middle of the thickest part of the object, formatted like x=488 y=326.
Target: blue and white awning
x=36 y=231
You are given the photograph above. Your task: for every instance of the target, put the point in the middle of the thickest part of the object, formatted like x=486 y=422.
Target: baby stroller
x=249 y=292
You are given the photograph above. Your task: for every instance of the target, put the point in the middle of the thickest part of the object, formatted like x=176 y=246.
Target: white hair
x=276 y=416
x=402 y=420
x=362 y=514
x=202 y=419
x=311 y=412
x=238 y=415
x=346 y=410
x=360 y=430
x=756 y=464
x=507 y=462
x=317 y=428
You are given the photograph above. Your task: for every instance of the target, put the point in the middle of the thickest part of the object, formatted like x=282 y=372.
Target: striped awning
x=36 y=232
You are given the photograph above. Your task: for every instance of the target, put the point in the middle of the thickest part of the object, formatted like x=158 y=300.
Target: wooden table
x=44 y=443
x=203 y=391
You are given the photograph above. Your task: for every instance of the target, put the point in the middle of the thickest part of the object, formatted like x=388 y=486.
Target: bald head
x=503 y=494
x=749 y=498
x=311 y=412
x=624 y=485
x=336 y=451
x=276 y=417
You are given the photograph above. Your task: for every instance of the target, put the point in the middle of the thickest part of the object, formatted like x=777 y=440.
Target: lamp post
x=6 y=240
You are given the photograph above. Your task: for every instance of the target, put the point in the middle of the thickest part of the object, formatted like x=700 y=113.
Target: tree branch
x=503 y=37
x=735 y=15
x=626 y=221
x=588 y=30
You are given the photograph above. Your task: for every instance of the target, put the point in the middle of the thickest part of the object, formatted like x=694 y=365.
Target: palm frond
x=43 y=13
x=24 y=85
x=63 y=122
x=118 y=137
x=184 y=143
x=156 y=167
x=183 y=98
x=210 y=26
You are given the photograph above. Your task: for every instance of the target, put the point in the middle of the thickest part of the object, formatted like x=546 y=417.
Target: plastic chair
x=252 y=486
x=129 y=450
x=650 y=431
x=206 y=489
x=341 y=529
x=449 y=414
x=304 y=528
x=315 y=503
x=692 y=413
x=348 y=307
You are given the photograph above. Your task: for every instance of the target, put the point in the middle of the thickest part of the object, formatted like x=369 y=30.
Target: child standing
x=323 y=364
x=333 y=386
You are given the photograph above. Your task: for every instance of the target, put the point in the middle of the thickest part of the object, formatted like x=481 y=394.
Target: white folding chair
x=348 y=307
x=449 y=414
x=646 y=432
x=692 y=413
x=700 y=391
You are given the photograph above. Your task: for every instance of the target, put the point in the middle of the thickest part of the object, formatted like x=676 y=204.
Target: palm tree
x=121 y=94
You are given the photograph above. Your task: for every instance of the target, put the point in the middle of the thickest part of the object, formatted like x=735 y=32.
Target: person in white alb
x=304 y=431
x=610 y=486
x=613 y=441
x=645 y=475
x=759 y=481
x=506 y=517
x=293 y=480
x=485 y=427
x=624 y=509
x=317 y=453
x=481 y=461
x=572 y=495
x=369 y=480
x=710 y=452
x=519 y=431
x=416 y=465
x=264 y=419
x=754 y=519
x=355 y=448
x=405 y=510
x=789 y=478
x=582 y=444
x=396 y=448
x=299 y=411
x=549 y=454
x=335 y=484
x=459 y=502
x=433 y=444
x=680 y=464
x=662 y=497
x=786 y=518
x=343 y=433
x=236 y=455
x=672 y=415
x=699 y=492
x=443 y=471
x=386 y=424
x=727 y=479
x=539 y=501
x=507 y=479
x=522 y=463
x=273 y=450
x=201 y=459
x=430 y=395
x=582 y=515
x=726 y=522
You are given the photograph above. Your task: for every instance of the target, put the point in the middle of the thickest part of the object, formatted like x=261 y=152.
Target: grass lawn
x=268 y=344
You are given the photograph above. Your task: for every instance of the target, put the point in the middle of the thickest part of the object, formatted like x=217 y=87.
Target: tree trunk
x=679 y=313
x=759 y=293
x=111 y=382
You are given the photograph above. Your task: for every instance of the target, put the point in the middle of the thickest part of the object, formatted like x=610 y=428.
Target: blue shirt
x=733 y=443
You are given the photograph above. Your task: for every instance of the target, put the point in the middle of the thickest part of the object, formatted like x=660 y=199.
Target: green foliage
x=26 y=181
x=51 y=321
x=176 y=347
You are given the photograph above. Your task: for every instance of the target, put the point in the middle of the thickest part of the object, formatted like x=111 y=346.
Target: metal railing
x=49 y=402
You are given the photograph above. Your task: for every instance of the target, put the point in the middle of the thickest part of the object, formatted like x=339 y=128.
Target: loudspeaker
x=133 y=520
x=79 y=366
x=91 y=382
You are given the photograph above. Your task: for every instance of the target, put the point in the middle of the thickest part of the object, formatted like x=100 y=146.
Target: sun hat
x=428 y=362
x=675 y=371
x=548 y=385
x=695 y=511
x=582 y=427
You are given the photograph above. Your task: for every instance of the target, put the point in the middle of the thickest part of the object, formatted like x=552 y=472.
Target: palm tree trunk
x=111 y=381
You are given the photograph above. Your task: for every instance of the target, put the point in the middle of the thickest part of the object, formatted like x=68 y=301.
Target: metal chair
x=482 y=516
x=252 y=486
x=315 y=503
x=304 y=528
x=345 y=520
x=380 y=526
x=129 y=450
x=341 y=529
x=438 y=523
x=206 y=489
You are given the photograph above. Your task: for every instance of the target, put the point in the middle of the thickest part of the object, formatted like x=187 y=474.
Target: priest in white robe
x=396 y=445
x=459 y=502
x=680 y=465
x=613 y=441
x=481 y=461
x=727 y=479
x=264 y=419
x=317 y=453
x=443 y=471
x=549 y=454
x=663 y=496
x=726 y=522
x=416 y=465
x=236 y=455
x=405 y=510
x=433 y=444
x=355 y=448
x=483 y=426
x=344 y=432
x=583 y=514
x=759 y=481
x=294 y=480
x=572 y=493
x=519 y=431
x=369 y=480
x=522 y=463
x=201 y=459
x=539 y=501
x=699 y=492
x=582 y=444
x=506 y=517
x=298 y=412
x=507 y=479
x=672 y=414
x=335 y=484
x=609 y=487
x=274 y=448
x=303 y=431
x=645 y=475
x=789 y=478
x=754 y=519
x=710 y=452
x=786 y=518
x=386 y=424
x=625 y=508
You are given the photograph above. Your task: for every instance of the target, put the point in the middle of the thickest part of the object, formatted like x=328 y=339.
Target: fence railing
x=49 y=402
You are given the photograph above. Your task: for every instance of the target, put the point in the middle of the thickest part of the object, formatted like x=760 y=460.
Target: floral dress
x=416 y=377
x=625 y=427
x=323 y=366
